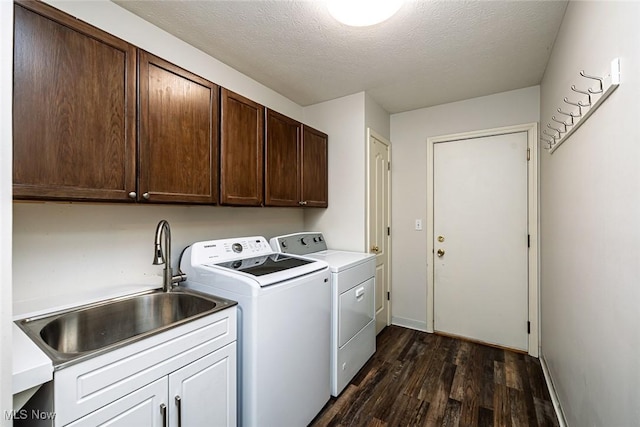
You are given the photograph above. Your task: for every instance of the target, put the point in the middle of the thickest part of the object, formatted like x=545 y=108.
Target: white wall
x=67 y=253
x=590 y=223
x=79 y=250
x=6 y=79
x=346 y=121
x=409 y=133
x=376 y=118
x=343 y=222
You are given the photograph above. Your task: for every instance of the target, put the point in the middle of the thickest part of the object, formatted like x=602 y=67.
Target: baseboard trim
x=409 y=323
x=552 y=391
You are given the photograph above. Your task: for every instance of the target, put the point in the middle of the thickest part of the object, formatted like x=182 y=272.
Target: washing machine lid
x=267 y=264
x=271 y=269
x=250 y=258
x=342 y=260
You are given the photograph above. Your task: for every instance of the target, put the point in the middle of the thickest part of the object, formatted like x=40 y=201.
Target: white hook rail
x=563 y=127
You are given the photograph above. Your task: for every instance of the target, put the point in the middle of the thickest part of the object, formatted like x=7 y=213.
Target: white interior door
x=481 y=239
x=378 y=211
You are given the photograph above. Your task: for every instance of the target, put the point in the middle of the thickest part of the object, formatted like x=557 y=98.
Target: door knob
x=375 y=249
x=440 y=252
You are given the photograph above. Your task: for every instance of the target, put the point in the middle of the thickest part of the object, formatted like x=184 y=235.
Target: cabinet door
x=178 y=134
x=203 y=393
x=241 y=150
x=143 y=407
x=73 y=109
x=314 y=168
x=282 y=151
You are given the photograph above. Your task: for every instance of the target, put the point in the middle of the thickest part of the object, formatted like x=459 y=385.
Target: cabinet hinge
x=388 y=296
x=528 y=327
x=388 y=166
x=388 y=231
x=528 y=240
x=528 y=154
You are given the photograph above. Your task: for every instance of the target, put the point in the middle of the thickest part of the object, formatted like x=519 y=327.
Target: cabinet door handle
x=146 y=196
x=359 y=292
x=133 y=195
x=163 y=411
x=302 y=203
x=179 y=403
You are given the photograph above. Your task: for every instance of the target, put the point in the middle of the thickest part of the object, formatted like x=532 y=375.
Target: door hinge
x=388 y=296
x=388 y=231
x=388 y=166
x=528 y=154
x=528 y=327
x=528 y=240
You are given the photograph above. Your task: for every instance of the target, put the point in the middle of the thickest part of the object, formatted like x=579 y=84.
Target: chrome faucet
x=161 y=256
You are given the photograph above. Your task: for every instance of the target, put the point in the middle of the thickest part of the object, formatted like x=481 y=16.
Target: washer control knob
x=315 y=240
x=304 y=241
x=283 y=244
x=236 y=247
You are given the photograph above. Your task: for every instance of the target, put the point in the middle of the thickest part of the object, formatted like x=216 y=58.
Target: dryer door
x=356 y=310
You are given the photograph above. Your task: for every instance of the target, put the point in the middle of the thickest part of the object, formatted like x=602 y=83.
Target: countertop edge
x=31 y=367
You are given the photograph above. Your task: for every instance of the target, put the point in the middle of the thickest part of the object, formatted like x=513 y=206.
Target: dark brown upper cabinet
x=296 y=163
x=178 y=134
x=282 y=160
x=314 y=168
x=241 y=150
x=73 y=109
x=76 y=137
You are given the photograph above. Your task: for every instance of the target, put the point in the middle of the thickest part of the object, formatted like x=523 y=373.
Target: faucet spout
x=163 y=256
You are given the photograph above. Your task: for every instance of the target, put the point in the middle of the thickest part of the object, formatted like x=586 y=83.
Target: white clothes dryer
x=353 y=325
x=284 y=307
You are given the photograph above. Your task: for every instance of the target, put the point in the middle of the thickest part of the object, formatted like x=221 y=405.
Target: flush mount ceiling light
x=362 y=13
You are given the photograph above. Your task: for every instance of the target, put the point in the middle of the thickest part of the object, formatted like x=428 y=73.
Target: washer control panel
x=217 y=251
x=299 y=243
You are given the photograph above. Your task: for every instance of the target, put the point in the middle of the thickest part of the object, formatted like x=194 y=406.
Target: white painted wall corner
x=562 y=421
x=418 y=325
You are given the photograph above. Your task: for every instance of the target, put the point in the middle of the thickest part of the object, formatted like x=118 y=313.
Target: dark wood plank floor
x=420 y=379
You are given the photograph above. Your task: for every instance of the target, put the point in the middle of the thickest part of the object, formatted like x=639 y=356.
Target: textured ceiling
x=429 y=53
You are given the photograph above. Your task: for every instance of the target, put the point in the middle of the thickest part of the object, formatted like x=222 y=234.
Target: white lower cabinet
x=202 y=393
x=140 y=408
x=184 y=377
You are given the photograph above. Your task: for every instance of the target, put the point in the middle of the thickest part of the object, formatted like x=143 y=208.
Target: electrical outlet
x=418 y=225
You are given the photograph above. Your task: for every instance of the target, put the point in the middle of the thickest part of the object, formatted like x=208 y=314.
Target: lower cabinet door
x=146 y=406
x=203 y=393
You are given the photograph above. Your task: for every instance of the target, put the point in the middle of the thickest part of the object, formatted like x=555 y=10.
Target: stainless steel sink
x=87 y=331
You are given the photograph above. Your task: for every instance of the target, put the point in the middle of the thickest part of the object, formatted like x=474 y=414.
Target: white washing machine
x=353 y=325
x=284 y=309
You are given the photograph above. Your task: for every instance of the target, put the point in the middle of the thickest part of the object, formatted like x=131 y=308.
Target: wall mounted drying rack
x=575 y=113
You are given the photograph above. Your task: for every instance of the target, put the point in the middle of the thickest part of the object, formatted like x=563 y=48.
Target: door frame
x=533 y=222
x=367 y=213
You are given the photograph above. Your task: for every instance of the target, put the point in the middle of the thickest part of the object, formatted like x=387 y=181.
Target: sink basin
x=97 y=327
x=91 y=330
